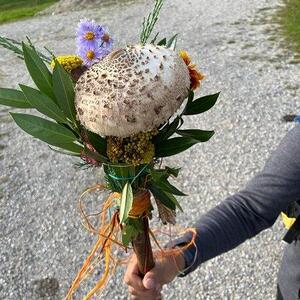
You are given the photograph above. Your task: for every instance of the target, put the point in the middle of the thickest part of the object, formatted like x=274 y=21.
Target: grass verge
x=12 y=10
x=289 y=18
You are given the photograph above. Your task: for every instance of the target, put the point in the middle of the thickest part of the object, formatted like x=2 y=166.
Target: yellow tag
x=288 y=222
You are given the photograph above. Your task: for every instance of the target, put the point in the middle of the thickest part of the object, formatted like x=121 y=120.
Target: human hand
x=166 y=269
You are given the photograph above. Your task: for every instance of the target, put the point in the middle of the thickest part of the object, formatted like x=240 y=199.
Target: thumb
x=149 y=281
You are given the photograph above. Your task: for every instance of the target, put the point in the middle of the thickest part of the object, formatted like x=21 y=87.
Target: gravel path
x=234 y=41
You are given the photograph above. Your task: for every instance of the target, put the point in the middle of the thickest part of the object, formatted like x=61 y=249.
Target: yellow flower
x=195 y=75
x=68 y=62
x=148 y=154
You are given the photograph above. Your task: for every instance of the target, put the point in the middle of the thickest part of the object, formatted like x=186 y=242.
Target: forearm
x=245 y=214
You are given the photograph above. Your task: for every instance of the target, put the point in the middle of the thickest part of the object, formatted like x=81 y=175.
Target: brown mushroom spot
x=130 y=119
x=158 y=109
x=80 y=110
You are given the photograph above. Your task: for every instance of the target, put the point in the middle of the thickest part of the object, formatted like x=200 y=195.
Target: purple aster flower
x=89 y=33
x=91 y=55
x=106 y=39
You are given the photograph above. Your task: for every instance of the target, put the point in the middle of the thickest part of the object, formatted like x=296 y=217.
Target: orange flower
x=195 y=75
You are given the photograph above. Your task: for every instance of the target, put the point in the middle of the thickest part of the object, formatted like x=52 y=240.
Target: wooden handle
x=142 y=248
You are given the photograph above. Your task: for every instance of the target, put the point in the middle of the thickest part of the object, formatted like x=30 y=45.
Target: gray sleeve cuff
x=190 y=254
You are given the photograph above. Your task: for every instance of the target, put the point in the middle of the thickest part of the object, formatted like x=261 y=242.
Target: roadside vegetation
x=289 y=18
x=12 y=10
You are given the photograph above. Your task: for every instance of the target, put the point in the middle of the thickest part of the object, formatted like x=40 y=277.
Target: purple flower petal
x=89 y=33
x=106 y=39
x=91 y=55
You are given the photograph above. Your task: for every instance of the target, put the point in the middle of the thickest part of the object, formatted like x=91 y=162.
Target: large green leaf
x=38 y=70
x=47 y=131
x=201 y=105
x=13 y=98
x=174 y=146
x=197 y=134
x=162 y=196
x=43 y=104
x=64 y=91
x=126 y=202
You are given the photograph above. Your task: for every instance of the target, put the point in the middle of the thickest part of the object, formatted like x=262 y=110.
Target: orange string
x=108 y=235
x=141 y=203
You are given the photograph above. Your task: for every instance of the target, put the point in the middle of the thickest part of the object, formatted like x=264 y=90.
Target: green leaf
x=173 y=171
x=13 y=98
x=174 y=146
x=38 y=70
x=189 y=101
x=126 y=202
x=98 y=157
x=154 y=39
x=167 y=187
x=128 y=234
x=196 y=134
x=98 y=142
x=174 y=200
x=43 y=104
x=64 y=91
x=162 y=197
x=201 y=105
x=172 y=42
x=167 y=131
x=162 y=42
x=65 y=152
x=47 y=131
x=132 y=228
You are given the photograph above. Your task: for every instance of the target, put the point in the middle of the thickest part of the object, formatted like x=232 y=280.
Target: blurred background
x=248 y=50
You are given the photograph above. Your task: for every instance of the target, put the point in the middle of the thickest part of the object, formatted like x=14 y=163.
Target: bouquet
x=121 y=110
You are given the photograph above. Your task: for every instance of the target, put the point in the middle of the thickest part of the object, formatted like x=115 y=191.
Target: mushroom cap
x=131 y=90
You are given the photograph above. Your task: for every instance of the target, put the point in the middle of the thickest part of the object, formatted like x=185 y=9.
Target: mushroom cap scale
x=131 y=90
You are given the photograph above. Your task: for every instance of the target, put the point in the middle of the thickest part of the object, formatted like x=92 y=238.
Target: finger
x=146 y=295
x=150 y=281
x=132 y=275
x=135 y=282
x=133 y=291
x=138 y=297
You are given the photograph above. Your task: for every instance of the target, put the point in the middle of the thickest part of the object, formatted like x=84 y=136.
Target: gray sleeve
x=253 y=209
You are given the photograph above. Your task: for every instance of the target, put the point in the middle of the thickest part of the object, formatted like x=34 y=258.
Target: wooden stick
x=142 y=248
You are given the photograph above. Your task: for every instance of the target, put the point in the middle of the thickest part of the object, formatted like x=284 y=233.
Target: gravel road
x=239 y=49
